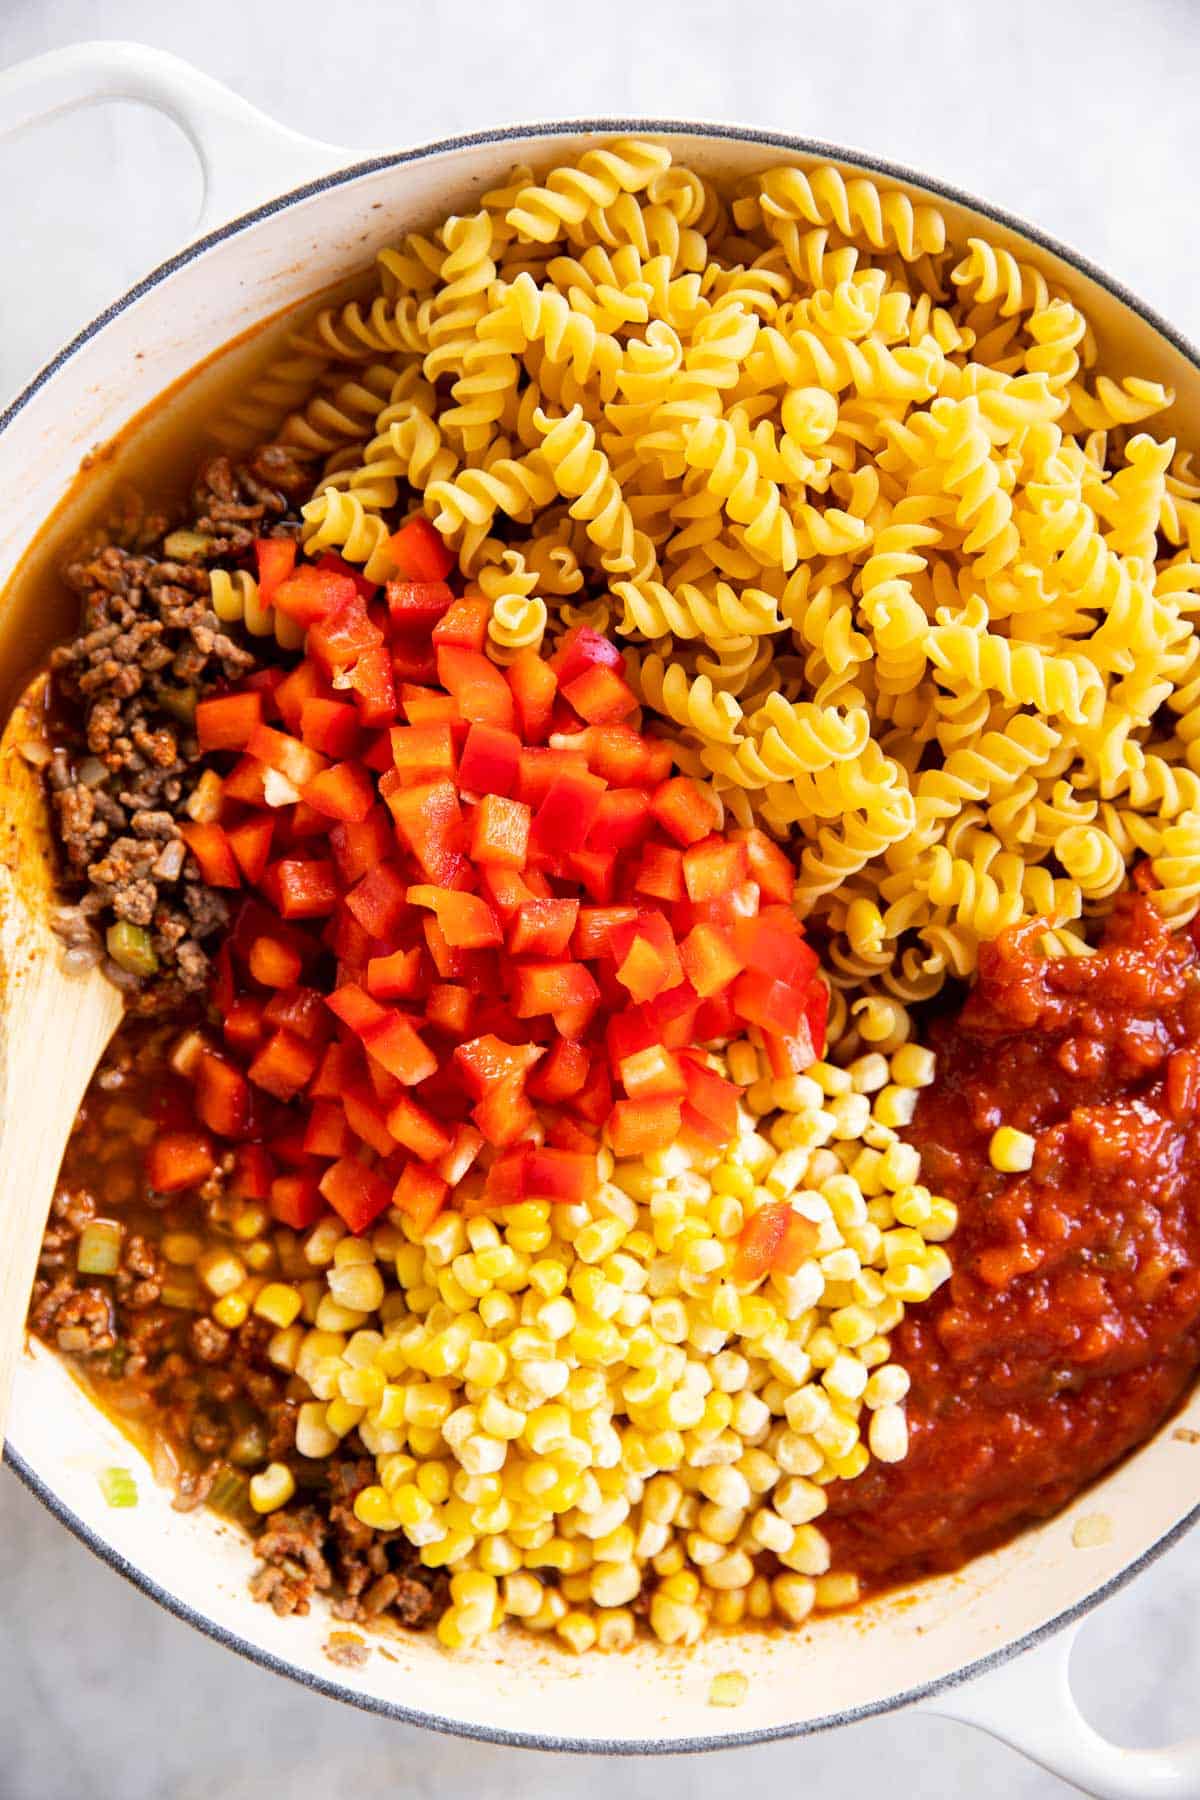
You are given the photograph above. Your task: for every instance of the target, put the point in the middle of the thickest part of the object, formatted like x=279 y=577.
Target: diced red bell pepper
x=500 y=831
x=775 y=1006
x=673 y=1016
x=450 y=1008
x=253 y=1173
x=709 y=959
x=425 y=706
x=568 y=812
x=461 y=1155
x=638 y=1126
x=246 y=782
x=358 y=848
x=542 y=928
x=296 y=1201
x=594 y=1100
x=593 y=933
x=419 y=553
x=774 y=1240
x=328 y=1130
x=428 y=822
x=366 y=1113
x=341 y=1066
x=309 y=594
x=242 y=1024
x=652 y=1074
x=562 y=1074
x=342 y=636
x=214 y=853
x=303 y=821
x=505 y=1184
x=596 y=872
x=275 y=558
x=420 y=1195
x=562 y=1177
x=646 y=956
x=769 y=866
x=565 y=1134
x=541 y=767
x=534 y=685
x=467 y=922
x=464 y=626
x=301 y=890
x=266 y=683
x=330 y=560
x=178 y=1160
x=357 y=1194
x=374 y=687
x=686 y=811
x=600 y=696
x=250 y=841
x=302 y=1010
x=400 y=976
x=710 y=1094
x=490 y=760
x=504 y=1115
x=487 y=1062
x=302 y=683
x=330 y=727
x=423 y=753
x=549 y=987
x=284 y=1065
x=226 y=721
x=344 y=792
x=417 y=1130
x=773 y=946
x=623 y=756
x=380 y=901
x=416 y=606
x=482 y=694
x=395 y=1042
x=712 y=867
x=355 y=1008
x=413 y=662
x=274 y=962
x=715 y=1018
x=583 y=649
x=377 y=753
x=629 y=1032
x=287 y=755
x=623 y=819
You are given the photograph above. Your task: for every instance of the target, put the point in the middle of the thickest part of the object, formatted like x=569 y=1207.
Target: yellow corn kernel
x=271 y=1487
x=615 y=1630
x=373 y=1507
x=1011 y=1151
x=221 y=1272
x=342 y=1416
x=322 y=1240
x=674 y=1623
x=231 y=1311
x=183 y=1248
x=793 y=1597
x=836 y=1590
x=313 y=1436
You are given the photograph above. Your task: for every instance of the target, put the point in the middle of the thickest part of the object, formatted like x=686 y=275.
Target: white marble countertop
x=1076 y=113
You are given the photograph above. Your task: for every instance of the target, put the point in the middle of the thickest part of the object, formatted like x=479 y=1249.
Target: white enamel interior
x=649 y=1697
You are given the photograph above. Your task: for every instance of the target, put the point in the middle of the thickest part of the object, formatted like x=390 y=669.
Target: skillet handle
x=245 y=157
x=1028 y=1704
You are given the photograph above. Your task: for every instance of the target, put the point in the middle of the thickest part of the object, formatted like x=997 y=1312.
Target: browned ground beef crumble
x=126 y=759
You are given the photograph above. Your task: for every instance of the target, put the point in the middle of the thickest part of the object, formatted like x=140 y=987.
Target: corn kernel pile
x=586 y=1390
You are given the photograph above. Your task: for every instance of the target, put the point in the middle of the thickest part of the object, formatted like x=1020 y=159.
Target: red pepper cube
x=450 y=964
x=646 y=955
x=593 y=933
x=774 y=1239
x=568 y=812
x=309 y=594
x=253 y=1173
x=562 y=1177
x=673 y=1016
x=246 y=781
x=417 y=1130
x=710 y=1093
x=328 y=1130
x=302 y=683
x=709 y=959
x=359 y=847
x=621 y=755
x=178 y=1160
x=301 y=890
x=222 y=1096
x=380 y=901
x=302 y=1010
x=488 y=1062
x=400 y=976
x=286 y=755
x=461 y=1155
x=419 y=553
x=565 y=1134
x=373 y=684
x=329 y=727
x=296 y=1201
x=773 y=946
x=715 y=1018
x=562 y=1074
x=344 y=792
x=466 y=921
x=490 y=760
x=275 y=559
x=250 y=841
x=464 y=625
x=355 y=1008
x=505 y=1184
x=398 y=1046
x=541 y=767
x=504 y=1115
x=594 y=1100
x=769 y=866
x=595 y=871
x=330 y=560
x=534 y=685
x=425 y=706
x=583 y=649
x=416 y=606
x=500 y=831
x=627 y=1033
x=357 y=1194
x=428 y=823
x=636 y=1127
x=341 y=637
x=213 y=853
x=226 y=721
x=274 y=963
x=341 y=1065
x=686 y=811
x=423 y=753
x=542 y=928
x=652 y=1074
x=242 y=1024
x=284 y=1065
x=774 y=1006
x=623 y=819
x=712 y=867
x=548 y=987
x=420 y=1195
x=600 y=696
x=450 y=1008
x=482 y=694
x=366 y=1116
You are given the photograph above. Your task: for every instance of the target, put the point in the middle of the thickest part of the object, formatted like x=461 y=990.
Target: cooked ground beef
x=125 y=760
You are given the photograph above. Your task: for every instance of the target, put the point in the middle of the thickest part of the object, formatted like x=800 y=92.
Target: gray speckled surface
x=1077 y=115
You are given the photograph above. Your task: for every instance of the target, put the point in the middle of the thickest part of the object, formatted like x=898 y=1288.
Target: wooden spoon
x=55 y=1024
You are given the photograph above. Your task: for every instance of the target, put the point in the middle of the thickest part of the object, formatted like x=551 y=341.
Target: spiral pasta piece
x=234 y=596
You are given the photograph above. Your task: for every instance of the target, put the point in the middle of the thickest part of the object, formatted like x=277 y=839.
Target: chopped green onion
x=179 y=702
x=118 y=1487
x=182 y=546
x=99 y=1248
x=118 y=1357
x=131 y=949
x=230 y=1496
x=249 y=1447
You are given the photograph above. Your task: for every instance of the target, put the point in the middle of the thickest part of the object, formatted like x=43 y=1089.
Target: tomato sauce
x=1071 y=1325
